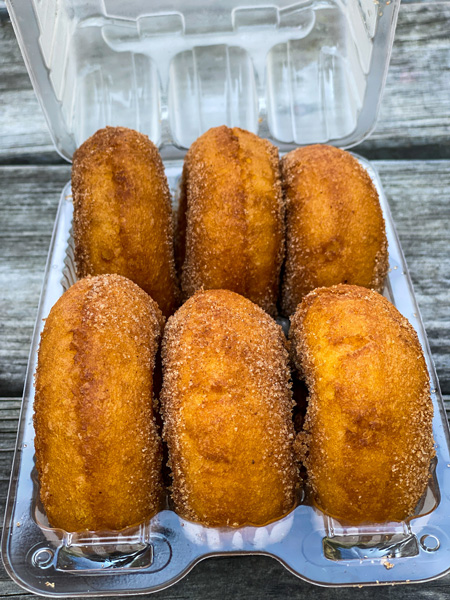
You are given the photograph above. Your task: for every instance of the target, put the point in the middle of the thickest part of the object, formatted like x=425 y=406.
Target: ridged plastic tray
x=155 y=555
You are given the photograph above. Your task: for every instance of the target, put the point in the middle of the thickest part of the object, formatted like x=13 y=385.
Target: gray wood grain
x=28 y=202
x=263 y=578
x=414 y=120
x=418 y=193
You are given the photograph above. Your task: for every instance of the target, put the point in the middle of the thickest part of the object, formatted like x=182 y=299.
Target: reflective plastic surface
x=297 y=73
x=153 y=556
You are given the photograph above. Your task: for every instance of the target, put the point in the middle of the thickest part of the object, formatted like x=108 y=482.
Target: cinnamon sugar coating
x=335 y=231
x=227 y=408
x=231 y=216
x=123 y=220
x=367 y=441
x=98 y=453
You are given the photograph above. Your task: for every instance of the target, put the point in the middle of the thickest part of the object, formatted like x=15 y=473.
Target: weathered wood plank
x=418 y=193
x=261 y=578
x=414 y=120
x=28 y=202
x=421 y=212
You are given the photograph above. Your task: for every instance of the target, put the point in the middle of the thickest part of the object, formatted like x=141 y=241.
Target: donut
x=123 y=220
x=367 y=441
x=231 y=216
x=227 y=407
x=335 y=231
x=98 y=452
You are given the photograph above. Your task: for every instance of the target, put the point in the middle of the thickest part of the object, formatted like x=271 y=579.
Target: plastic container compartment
x=296 y=73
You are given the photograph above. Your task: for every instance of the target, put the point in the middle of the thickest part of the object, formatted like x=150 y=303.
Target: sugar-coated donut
x=368 y=430
x=98 y=453
x=227 y=407
x=123 y=220
x=231 y=216
x=335 y=231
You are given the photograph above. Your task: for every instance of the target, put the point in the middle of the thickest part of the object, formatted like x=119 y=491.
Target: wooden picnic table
x=410 y=148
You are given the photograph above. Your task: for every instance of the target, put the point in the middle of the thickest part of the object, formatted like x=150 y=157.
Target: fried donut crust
x=367 y=441
x=123 y=220
x=335 y=231
x=231 y=216
x=227 y=407
x=98 y=453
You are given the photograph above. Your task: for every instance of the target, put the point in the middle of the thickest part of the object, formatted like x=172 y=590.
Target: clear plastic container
x=155 y=555
x=296 y=73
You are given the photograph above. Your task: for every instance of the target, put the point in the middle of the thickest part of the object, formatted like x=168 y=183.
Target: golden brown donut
x=231 y=216
x=98 y=453
x=227 y=407
x=368 y=430
x=335 y=230
x=122 y=219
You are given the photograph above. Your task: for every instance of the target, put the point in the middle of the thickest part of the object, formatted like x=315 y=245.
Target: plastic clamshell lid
x=157 y=554
x=297 y=73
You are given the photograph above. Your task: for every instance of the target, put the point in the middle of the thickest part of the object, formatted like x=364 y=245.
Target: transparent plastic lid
x=294 y=72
